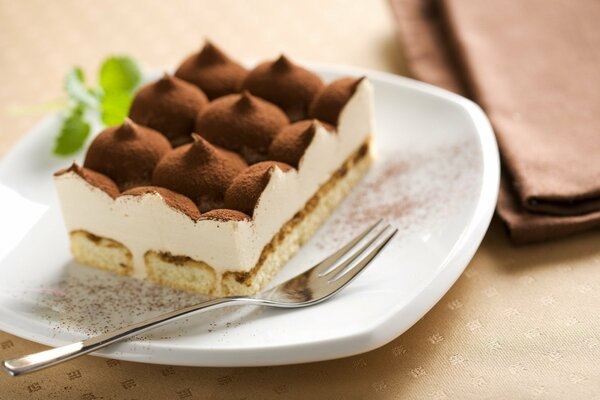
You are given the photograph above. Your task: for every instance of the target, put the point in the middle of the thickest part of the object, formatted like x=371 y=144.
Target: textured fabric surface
x=533 y=66
x=520 y=323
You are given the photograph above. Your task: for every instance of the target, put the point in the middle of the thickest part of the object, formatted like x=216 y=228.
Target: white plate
x=435 y=177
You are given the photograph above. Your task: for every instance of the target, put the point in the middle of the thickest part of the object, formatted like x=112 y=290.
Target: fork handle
x=36 y=361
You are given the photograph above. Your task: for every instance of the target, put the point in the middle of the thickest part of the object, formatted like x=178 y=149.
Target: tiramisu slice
x=214 y=197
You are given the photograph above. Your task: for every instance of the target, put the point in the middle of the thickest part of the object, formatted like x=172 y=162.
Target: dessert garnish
x=199 y=171
x=127 y=153
x=246 y=188
x=212 y=71
x=118 y=78
x=291 y=142
x=285 y=84
x=169 y=105
x=243 y=123
x=329 y=102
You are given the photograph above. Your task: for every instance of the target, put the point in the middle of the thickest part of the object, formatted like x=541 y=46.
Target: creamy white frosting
x=146 y=222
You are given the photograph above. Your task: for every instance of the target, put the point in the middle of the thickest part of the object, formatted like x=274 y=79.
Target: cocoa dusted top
x=199 y=171
x=292 y=141
x=242 y=123
x=328 y=104
x=285 y=84
x=234 y=129
x=170 y=106
x=224 y=215
x=127 y=153
x=213 y=72
x=245 y=190
x=174 y=200
x=94 y=178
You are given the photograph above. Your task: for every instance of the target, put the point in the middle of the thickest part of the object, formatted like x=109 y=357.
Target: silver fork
x=315 y=285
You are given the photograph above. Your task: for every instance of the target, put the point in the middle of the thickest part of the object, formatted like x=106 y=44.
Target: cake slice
x=215 y=197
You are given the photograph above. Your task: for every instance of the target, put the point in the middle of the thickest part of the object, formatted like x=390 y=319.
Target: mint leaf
x=119 y=74
x=119 y=77
x=76 y=90
x=73 y=133
x=115 y=107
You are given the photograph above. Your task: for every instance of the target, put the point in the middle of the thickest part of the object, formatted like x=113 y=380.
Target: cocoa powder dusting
x=414 y=190
x=91 y=301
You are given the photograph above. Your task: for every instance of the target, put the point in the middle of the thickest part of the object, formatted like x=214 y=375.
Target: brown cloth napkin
x=534 y=66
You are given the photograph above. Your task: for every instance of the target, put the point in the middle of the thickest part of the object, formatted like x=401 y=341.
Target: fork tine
x=364 y=258
x=348 y=258
x=327 y=265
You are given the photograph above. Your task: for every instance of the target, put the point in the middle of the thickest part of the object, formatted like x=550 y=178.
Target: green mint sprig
x=118 y=79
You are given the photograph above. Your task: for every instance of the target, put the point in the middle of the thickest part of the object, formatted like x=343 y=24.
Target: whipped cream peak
x=245 y=101
x=169 y=105
x=330 y=101
x=200 y=171
x=212 y=71
x=282 y=64
x=127 y=130
x=306 y=135
x=314 y=124
x=165 y=82
x=211 y=54
x=201 y=150
x=284 y=84
x=127 y=153
x=74 y=167
x=290 y=144
x=246 y=188
x=93 y=178
x=241 y=122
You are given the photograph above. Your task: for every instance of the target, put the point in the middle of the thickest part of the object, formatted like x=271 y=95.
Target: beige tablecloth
x=520 y=322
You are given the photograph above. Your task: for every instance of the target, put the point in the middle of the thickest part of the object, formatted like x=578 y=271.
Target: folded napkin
x=534 y=67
